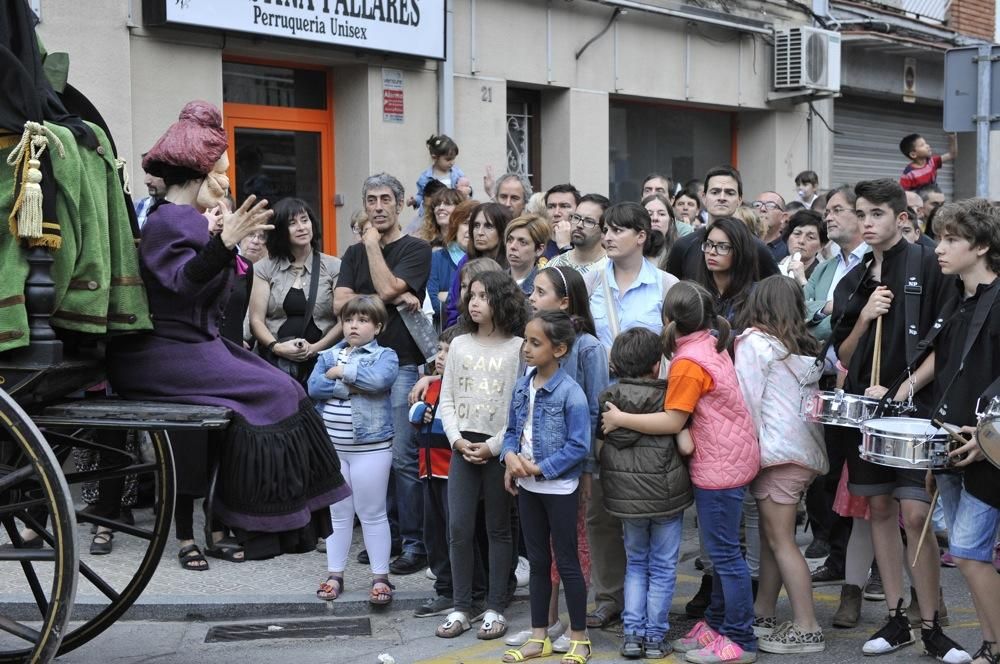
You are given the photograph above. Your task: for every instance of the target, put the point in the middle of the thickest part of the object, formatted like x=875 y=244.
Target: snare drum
x=906 y=442
x=846 y=410
x=988 y=429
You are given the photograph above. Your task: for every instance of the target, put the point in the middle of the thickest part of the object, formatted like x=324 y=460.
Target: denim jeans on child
x=731 y=610
x=651 y=547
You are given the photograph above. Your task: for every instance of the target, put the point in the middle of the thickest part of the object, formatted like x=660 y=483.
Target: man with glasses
x=771 y=208
x=587 y=253
x=723 y=195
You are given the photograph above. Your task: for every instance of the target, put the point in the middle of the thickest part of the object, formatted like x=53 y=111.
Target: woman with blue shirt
x=629 y=291
x=445 y=261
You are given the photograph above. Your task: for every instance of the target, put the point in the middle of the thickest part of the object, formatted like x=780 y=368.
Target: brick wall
x=976 y=18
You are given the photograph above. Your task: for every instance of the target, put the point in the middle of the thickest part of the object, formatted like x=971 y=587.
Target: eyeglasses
x=257 y=237
x=767 y=205
x=586 y=222
x=721 y=248
x=838 y=210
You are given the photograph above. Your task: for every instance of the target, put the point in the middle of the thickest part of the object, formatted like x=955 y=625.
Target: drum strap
x=979 y=316
x=821 y=358
x=912 y=292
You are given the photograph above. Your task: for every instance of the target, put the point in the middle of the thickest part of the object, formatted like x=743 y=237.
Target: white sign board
x=409 y=27
x=392 y=96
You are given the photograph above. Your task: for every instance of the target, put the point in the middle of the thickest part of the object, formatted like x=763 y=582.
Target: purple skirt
x=277 y=465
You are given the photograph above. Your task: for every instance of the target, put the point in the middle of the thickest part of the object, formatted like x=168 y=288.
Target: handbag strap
x=611 y=305
x=313 y=292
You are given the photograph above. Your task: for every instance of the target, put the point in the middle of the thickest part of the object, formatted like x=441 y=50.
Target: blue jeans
x=731 y=610
x=409 y=494
x=972 y=524
x=652 y=547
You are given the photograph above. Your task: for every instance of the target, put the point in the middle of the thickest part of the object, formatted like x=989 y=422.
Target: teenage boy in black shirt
x=880 y=286
x=970 y=248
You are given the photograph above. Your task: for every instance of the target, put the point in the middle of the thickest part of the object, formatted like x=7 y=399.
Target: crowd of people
x=557 y=377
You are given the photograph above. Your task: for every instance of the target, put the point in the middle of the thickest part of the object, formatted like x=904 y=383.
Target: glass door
x=280 y=126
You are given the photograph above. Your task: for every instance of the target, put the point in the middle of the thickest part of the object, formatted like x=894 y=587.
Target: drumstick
x=877 y=354
x=951 y=431
x=927 y=523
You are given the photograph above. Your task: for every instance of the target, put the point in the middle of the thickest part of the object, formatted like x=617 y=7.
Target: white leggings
x=367 y=473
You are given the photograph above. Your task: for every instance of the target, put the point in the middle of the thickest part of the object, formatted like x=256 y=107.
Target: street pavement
x=173 y=617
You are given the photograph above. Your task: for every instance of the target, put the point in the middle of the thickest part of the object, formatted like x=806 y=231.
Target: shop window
x=682 y=143
x=524 y=134
x=265 y=85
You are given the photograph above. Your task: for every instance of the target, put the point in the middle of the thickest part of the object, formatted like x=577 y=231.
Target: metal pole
x=446 y=76
x=983 y=123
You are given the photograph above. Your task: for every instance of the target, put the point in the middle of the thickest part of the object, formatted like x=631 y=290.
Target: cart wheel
x=31 y=481
x=107 y=588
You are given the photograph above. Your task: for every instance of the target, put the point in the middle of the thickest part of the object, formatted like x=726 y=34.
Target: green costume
x=96 y=268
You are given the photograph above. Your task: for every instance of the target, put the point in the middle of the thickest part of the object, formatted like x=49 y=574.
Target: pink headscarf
x=195 y=141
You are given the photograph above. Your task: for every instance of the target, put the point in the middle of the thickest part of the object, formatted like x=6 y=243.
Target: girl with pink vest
x=725 y=457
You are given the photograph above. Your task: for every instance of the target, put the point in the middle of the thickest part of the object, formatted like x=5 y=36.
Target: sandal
x=101 y=544
x=455 y=624
x=330 y=589
x=602 y=616
x=494 y=626
x=381 y=598
x=572 y=657
x=517 y=654
x=227 y=549
x=191 y=558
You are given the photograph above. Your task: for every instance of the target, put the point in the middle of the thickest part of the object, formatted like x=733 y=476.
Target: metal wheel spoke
x=10 y=480
x=108 y=473
x=88 y=573
x=19 y=630
x=36 y=587
x=28 y=555
x=118 y=526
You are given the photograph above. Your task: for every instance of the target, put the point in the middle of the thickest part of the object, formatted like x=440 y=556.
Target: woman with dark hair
x=276 y=465
x=486 y=233
x=661 y=214
x=290 y=333
x=629 y=291
x=729 y=270
x=805 y=237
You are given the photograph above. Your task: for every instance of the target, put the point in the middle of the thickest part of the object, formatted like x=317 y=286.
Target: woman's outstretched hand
x=251 y=217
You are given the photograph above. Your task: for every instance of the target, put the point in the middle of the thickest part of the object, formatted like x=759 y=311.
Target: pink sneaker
x=721 y=650
x=700 y=636
x=947 y=560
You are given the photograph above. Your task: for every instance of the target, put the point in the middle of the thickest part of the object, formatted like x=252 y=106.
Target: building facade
x=318 y=94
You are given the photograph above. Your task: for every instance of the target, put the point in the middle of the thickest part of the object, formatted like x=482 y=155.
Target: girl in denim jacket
x=544 y=448
x=351 y=384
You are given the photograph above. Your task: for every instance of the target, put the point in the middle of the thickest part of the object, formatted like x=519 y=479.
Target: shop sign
x=392 y=95
x=408 y=27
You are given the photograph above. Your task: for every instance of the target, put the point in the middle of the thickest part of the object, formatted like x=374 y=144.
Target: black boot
x=699 y=603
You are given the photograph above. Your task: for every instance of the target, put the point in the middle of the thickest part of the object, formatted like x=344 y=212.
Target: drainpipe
x=446 y=75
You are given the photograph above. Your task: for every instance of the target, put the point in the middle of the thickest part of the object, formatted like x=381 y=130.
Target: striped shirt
x=339 y=422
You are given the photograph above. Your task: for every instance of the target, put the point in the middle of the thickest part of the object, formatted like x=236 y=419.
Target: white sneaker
x=430 y=575
x=522 y=572
x=561 y=644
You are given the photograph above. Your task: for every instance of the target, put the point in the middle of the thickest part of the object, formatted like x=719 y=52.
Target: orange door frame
x=253 y=116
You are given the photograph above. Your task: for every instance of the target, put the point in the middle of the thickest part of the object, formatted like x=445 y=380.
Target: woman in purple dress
x=276 y=465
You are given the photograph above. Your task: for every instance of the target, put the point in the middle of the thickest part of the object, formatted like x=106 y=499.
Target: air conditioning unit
x=807 y=59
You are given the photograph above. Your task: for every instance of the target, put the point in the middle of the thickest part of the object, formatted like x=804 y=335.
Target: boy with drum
x=903 y=285
x=966 y=361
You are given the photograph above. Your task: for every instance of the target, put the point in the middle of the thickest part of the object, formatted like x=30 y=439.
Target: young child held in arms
x=351 y=384
x=647 y=486
x=924 y=164
x=702 y=387
x=443 y=152
x=544 y=447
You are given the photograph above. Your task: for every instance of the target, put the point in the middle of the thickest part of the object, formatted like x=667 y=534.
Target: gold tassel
x=26 y=216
